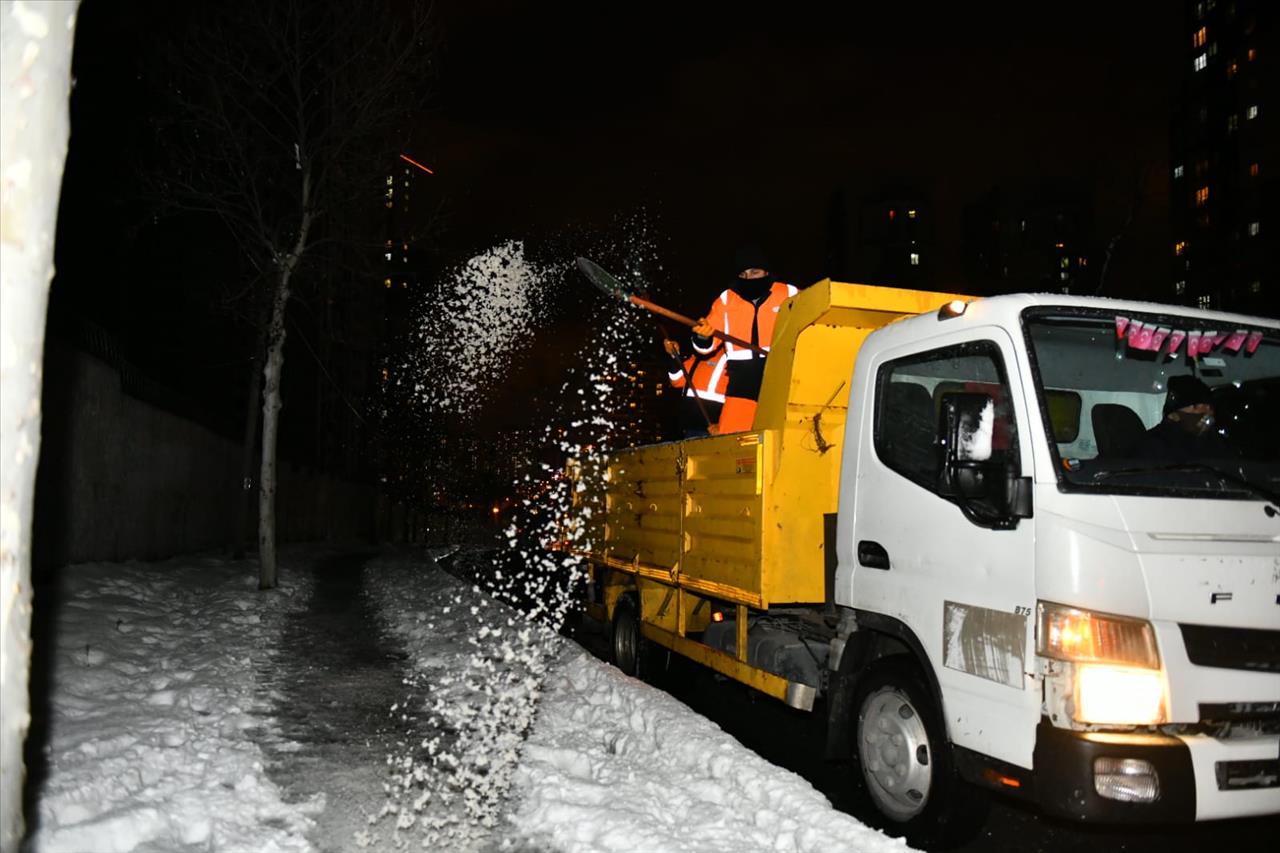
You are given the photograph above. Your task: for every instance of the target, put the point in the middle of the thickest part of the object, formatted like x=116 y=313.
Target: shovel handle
x=680 y=318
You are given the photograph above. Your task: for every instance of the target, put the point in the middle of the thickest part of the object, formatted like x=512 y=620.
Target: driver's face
x=1196 y=419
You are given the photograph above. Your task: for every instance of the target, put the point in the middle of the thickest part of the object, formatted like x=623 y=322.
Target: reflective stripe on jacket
x=710 y=379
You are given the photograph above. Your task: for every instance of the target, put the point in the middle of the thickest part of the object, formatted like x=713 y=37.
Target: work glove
x=672 y=348
x=702 y=327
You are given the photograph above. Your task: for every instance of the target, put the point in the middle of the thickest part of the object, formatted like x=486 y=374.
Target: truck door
x=954 y=571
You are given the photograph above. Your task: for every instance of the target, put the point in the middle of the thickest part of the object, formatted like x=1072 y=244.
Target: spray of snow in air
x=483 y=314
x=472 y=728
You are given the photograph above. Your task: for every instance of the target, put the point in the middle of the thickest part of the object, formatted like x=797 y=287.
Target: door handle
x=872 y=555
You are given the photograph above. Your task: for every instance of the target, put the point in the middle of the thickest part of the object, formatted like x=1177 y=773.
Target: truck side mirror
x=965 y=429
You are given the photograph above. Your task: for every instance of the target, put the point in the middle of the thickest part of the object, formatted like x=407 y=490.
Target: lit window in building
x=911 y=214
x=388 y=180
x=1202 y=195
x=1064 y=275
x=1177 y=171
x=1255 y=286
x=1024 y=225
x=1200 y=62
x=1179 y=247
x=1198 y=37
x=387 y=255
x=1064 y=262
x=386 y=282
x=892 y=214
x=1213 y=49
x=1199 y=11
x=1252 y=54
x=1233 y=122
x=1204 y=300
x=1253 y=170
x=1179 y=287
x=1254 y=228
x=1232 y=68
x=915 y=259
x=1252 y=112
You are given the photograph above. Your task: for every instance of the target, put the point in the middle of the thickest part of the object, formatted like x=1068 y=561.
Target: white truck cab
x=1088 y=580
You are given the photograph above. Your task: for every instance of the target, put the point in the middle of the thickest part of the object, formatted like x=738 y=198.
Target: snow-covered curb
x=155 y=695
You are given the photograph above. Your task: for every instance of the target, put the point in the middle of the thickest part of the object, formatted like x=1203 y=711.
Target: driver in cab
x=1186 y=434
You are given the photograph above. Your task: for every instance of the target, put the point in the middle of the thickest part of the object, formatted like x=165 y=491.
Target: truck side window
x=909 y=394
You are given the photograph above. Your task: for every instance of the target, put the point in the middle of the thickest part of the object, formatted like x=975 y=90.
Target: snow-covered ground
x=164 y=691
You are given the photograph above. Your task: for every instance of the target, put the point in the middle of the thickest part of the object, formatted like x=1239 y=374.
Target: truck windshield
x=1158 y=403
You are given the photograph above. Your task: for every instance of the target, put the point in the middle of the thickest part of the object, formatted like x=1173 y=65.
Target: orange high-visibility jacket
x=710 y=379
x=733 y=315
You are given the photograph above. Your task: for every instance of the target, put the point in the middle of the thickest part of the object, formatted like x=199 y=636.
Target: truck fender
x=877 y=636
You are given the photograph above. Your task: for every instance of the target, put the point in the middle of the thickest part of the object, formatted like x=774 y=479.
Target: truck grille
x=1232 y=648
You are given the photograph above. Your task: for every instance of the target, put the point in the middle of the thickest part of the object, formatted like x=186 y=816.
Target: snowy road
x=189 y=712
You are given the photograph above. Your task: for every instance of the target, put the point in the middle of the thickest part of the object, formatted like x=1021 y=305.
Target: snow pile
x=479 y=667
x=467 y=336
x=615 y=765
x=155 y=697
x=528 y=742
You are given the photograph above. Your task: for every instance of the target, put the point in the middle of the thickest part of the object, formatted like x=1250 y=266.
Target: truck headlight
x=1119 y=695
x=1116 y=674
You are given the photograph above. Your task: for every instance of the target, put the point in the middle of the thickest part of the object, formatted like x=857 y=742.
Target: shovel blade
x=602 y=279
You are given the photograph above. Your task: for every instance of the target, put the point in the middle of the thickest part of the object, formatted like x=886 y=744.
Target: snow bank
x=155 y=695
x=530 y=741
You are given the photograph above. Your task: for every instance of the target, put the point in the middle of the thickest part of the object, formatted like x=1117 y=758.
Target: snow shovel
x=602 y=279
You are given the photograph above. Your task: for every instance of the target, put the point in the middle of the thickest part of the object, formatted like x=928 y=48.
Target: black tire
x=626 y=646
x=902 y=761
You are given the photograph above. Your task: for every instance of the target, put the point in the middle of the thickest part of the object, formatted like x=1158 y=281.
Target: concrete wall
x=121 y=479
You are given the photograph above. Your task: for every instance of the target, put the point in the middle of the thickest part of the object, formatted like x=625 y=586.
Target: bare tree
x=285 y=115
x=35 y=79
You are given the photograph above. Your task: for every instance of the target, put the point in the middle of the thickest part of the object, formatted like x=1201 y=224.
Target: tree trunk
x=35 y=77
x=271 y=373
x=270 y=428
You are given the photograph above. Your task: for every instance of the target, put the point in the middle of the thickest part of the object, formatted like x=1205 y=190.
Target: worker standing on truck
x=704 y=379
x=747 y=309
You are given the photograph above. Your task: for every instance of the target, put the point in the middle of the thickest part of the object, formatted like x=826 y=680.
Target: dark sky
x=723 y=120
x=713 y=122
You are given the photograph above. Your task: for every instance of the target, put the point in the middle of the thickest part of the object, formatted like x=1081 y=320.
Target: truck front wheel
x=904 y=762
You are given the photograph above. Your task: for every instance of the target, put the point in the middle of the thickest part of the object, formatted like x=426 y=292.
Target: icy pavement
x=174 y=725
x=155 y=693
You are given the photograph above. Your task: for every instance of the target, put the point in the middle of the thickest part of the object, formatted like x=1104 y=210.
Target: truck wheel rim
x=894 y=752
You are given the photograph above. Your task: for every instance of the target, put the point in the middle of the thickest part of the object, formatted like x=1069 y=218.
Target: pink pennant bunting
x=1252 y=342
x=1157 y=338
x=1175 y=340
x=1206 y=342
x=1236 y=339
x=1135 y=334
x=1121 y=323
x=1193 y=343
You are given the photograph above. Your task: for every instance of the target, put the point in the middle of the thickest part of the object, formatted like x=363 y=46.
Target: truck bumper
x=1199 y=777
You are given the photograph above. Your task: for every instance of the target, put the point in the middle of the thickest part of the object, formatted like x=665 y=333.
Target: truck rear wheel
x=904 y=761
x=625 y=642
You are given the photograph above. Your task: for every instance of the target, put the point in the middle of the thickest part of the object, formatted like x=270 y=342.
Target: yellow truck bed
x=739 y=519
